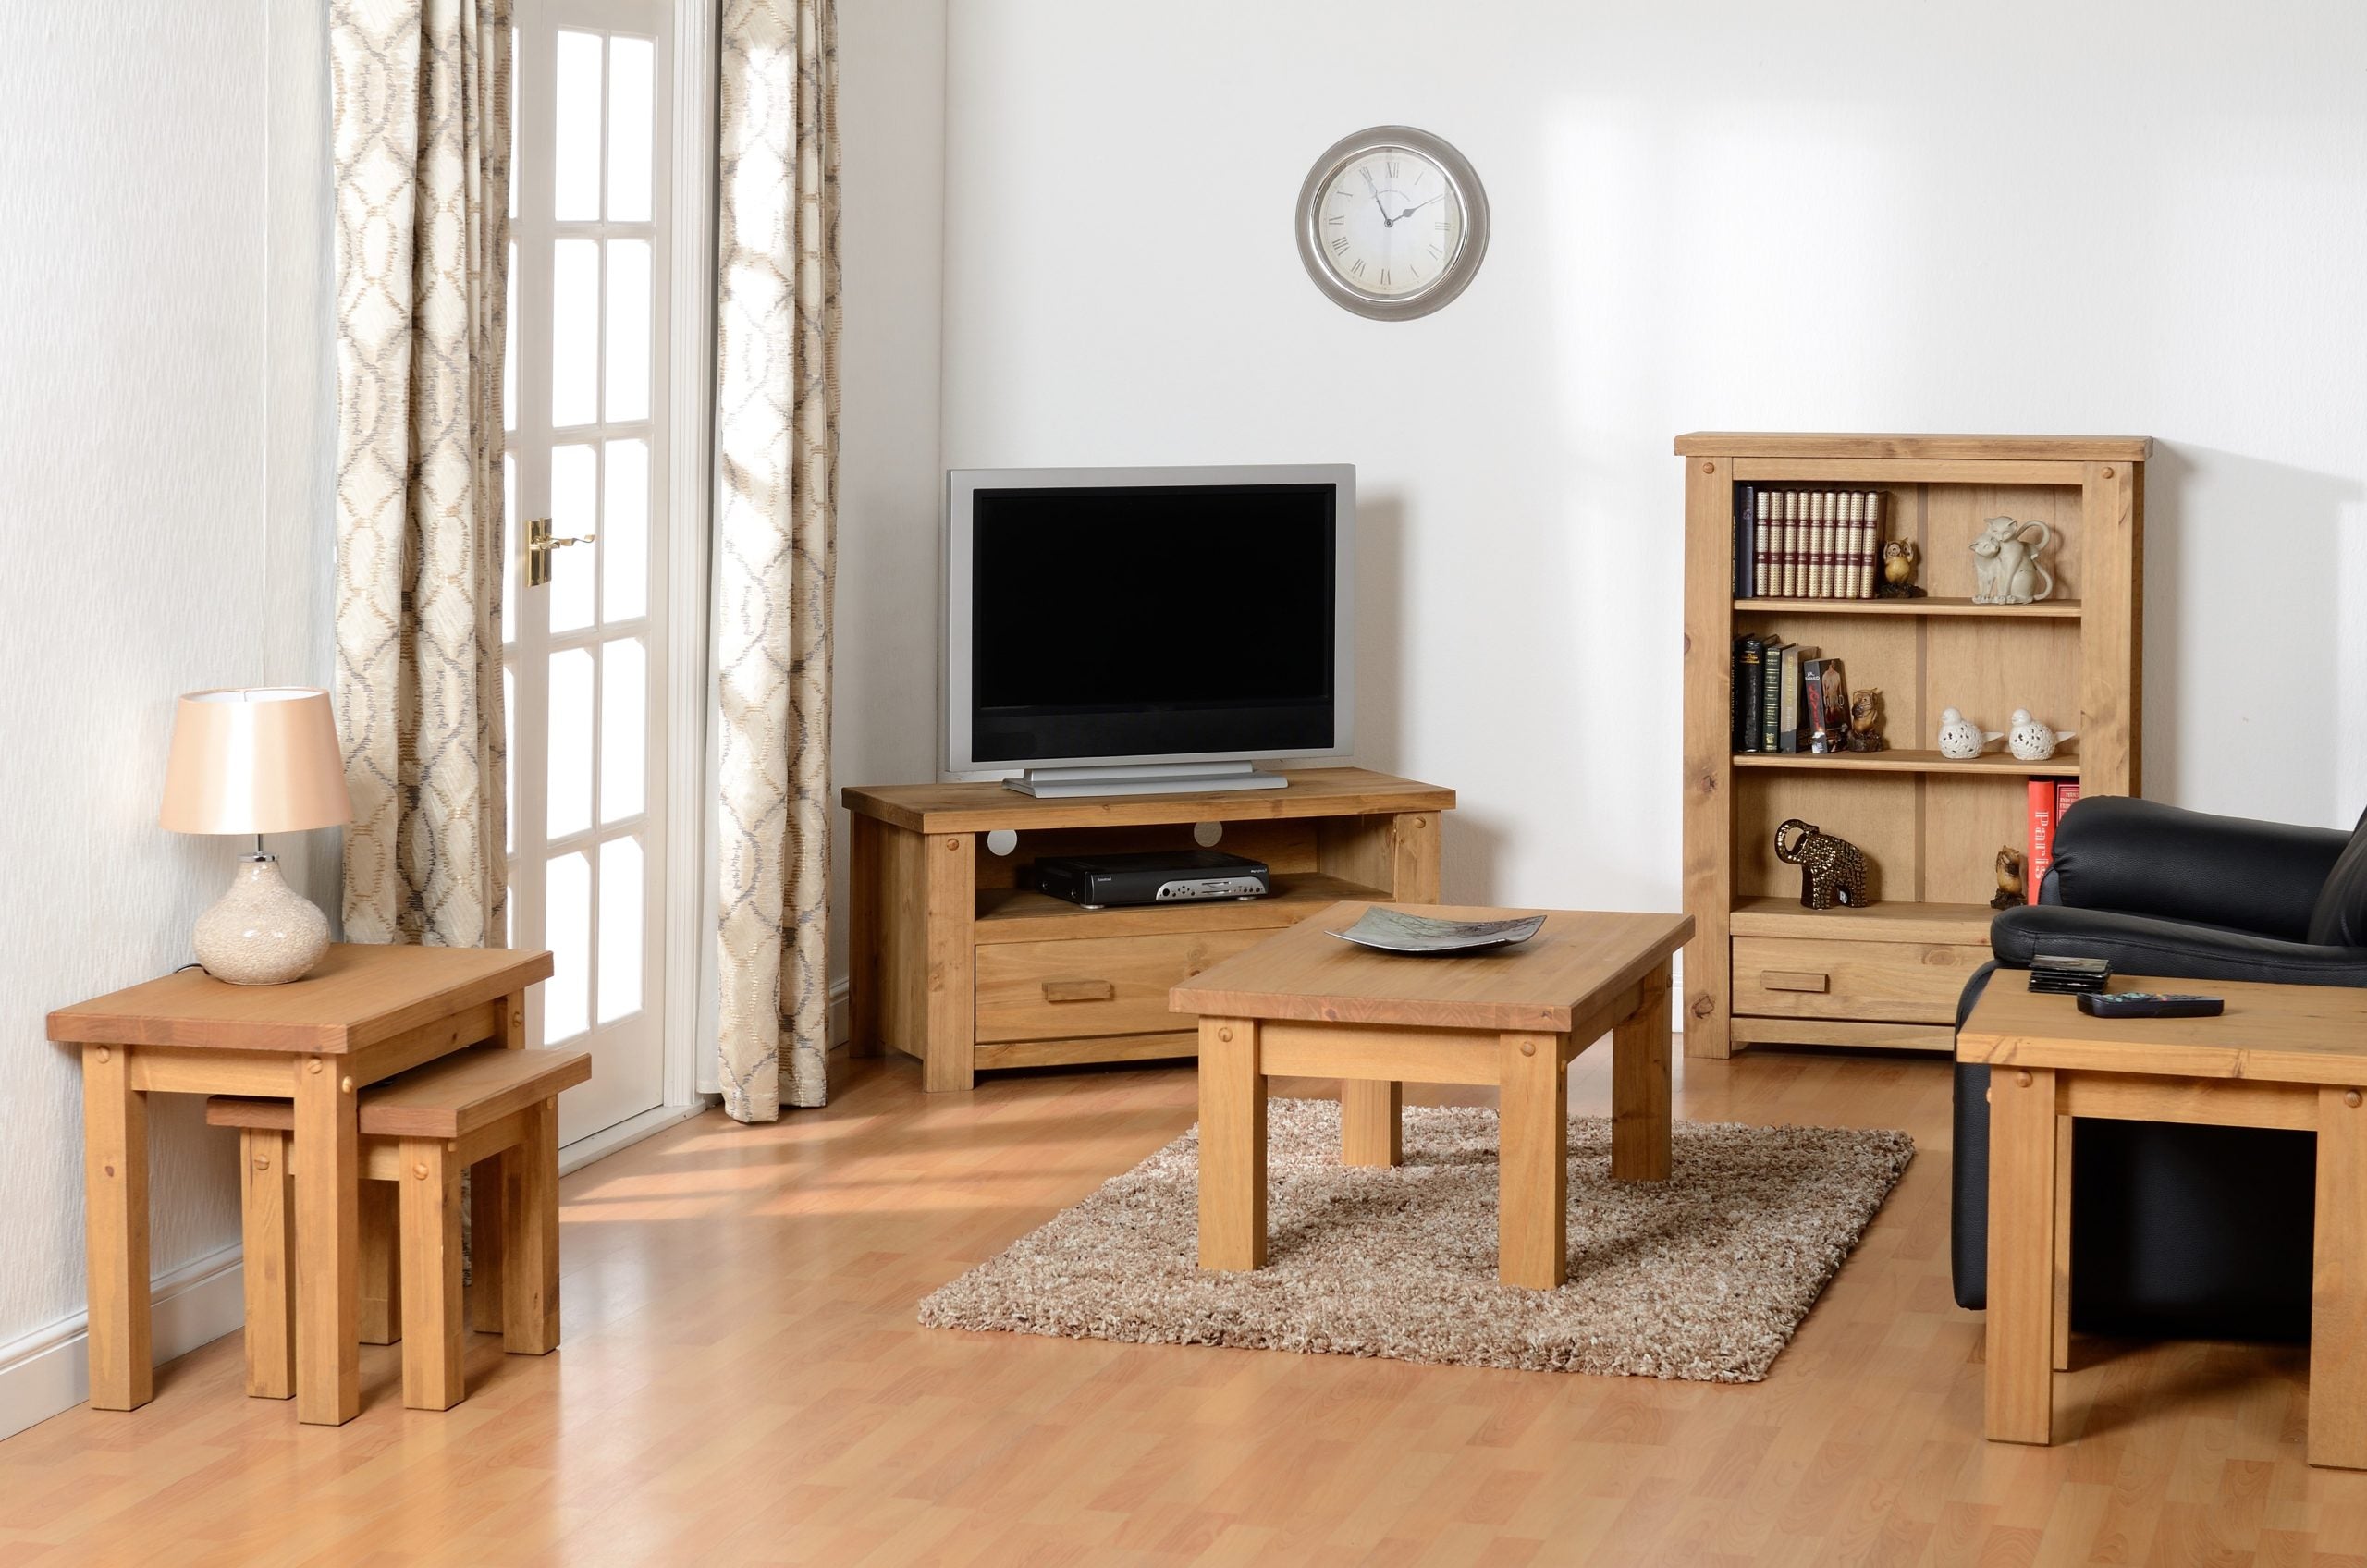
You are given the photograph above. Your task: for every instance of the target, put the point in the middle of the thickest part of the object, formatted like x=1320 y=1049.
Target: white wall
x=157 y=535
x=2111 y=218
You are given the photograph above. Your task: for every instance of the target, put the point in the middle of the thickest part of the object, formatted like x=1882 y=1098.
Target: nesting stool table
x=366 y=1014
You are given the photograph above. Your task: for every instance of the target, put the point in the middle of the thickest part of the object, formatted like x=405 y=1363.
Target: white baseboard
x=49 y=1369
x=631 y=1130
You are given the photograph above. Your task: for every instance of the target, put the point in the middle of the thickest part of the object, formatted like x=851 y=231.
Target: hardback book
x=1787 y=719
x=1770 y=692
x=1745 y=536
x=1870 y=575
x=1827 y=693
x=1853 y=515
x=2042 y=812
x=1762 y=552
x=2066 y=791
x=1827 y=538
x=1748 y=688
x=1794 y=525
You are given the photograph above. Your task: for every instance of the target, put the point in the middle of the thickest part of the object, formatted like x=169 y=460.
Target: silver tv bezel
x=956 y=677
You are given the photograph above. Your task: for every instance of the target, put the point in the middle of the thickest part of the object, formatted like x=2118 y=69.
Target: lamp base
x=264 y=932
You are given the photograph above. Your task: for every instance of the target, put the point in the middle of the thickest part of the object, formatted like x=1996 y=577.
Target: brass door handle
x=540 y=543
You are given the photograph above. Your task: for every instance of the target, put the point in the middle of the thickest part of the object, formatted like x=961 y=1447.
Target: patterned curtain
x=422 y=130
x=777 y=416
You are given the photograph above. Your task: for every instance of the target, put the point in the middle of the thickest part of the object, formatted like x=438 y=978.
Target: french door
x=583 y=622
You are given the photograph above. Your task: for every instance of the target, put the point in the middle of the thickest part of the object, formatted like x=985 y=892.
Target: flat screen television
x=1148 y=629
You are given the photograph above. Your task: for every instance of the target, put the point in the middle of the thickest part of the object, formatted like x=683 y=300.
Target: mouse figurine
x=2010 y=884
x=1866 y=721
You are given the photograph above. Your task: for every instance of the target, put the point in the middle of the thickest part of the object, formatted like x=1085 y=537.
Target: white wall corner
x=48 y=1370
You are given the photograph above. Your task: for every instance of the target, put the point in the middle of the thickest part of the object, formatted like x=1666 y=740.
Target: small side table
x=1305 y=1003
x=366 y=1014
x=2280 y=1056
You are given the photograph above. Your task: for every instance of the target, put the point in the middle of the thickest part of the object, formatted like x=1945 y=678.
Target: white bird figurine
x=2031 y=740
x=1960 y=737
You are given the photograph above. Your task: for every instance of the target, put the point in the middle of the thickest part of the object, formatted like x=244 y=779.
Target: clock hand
x=1386 y=221
x=1412 y=210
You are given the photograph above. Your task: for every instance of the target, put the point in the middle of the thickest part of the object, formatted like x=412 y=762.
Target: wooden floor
x=742 y=1381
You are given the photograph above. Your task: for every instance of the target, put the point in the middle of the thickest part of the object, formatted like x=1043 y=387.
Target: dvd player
x=1161 y=876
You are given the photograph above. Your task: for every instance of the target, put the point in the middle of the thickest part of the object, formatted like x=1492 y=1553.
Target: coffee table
x=2280 y=1056
x=1305 y=1003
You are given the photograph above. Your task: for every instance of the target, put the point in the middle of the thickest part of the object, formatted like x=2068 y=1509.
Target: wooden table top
x=1582 y=957
x=2274 y=1033
x=983 y=807
x=360 y=994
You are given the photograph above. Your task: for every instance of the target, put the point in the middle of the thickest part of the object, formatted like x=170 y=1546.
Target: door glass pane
x=510 y=581
x=514 y=74
x=509 y=750
x=628 y=329
x=631 y=69
x=624 y=533
x=620 y=943
x=575 y=194
x=569 y=757
x=575 y=332
x=624 y=699
x=575 y=512
x=510 y=352
x=567 y=931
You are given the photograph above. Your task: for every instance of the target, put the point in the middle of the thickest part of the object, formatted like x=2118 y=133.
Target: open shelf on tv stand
x=952 y=961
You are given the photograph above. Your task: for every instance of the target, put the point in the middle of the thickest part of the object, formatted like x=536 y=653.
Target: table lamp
x=264 y=759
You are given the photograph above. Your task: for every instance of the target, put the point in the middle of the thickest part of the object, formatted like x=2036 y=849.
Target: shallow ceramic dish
x=1422 y=936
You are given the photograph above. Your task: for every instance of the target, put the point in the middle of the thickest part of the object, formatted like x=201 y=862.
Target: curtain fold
x=420 y=124
x=775 y=413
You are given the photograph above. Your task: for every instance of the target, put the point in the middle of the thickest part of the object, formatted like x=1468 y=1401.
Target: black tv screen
x=1154 y=621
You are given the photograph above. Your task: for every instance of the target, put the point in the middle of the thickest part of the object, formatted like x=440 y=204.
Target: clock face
x=1393 y=223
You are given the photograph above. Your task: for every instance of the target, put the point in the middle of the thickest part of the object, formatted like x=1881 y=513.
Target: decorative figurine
x=2005 y=568
x=2031 y=740
x=1960 y=739
x=1866 y=721
x=2010 y=879
x=1831 y=870
x=1899 y=559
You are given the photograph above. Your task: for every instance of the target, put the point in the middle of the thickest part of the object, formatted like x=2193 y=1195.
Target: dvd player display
x=1161 y=876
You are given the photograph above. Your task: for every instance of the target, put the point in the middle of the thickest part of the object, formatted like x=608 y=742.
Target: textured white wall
x=140 y=554
x=2118 y=217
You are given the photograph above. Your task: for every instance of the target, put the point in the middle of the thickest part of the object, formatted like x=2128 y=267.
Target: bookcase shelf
x=1765 y=970
x=2062 y=765
x=2056 y=609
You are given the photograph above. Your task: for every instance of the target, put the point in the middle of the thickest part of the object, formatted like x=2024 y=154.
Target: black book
x=1745 y=539
x=1748 y=683
x=1770 y=692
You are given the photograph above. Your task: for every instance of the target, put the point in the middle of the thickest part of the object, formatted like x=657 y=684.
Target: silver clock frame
x=1459 y=270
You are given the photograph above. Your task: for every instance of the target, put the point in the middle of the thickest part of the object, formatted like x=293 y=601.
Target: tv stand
x=955 y=959
x=1143 y=778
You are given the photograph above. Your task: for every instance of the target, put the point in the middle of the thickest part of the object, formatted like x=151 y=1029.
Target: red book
x=2043 y=808
x=2065 y=793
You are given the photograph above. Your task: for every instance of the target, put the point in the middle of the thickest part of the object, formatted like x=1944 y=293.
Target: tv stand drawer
x=1093 y=985
x=1813 y=977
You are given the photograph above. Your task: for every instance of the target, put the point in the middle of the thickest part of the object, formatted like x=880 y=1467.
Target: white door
x=585 y=653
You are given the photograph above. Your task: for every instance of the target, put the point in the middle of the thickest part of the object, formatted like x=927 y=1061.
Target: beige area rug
x=1704 y=1277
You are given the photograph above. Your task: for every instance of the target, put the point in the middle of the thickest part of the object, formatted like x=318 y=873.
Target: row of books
x=1786 y=698
x=1795 y=544
x=2049 y=799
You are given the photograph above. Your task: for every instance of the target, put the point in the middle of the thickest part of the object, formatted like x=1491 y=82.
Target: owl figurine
x=2010 y=883
x=1899 y=559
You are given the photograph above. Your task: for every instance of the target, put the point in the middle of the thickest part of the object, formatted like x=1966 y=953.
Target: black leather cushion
x=2138 y=944
x=2340 y=917
x=2141 y=857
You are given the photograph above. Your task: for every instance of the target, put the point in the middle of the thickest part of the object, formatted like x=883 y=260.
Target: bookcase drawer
x=1093 y=984
x=1894 y=982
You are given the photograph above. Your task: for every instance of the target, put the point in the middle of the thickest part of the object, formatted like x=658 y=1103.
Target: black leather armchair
x=2176 y=1229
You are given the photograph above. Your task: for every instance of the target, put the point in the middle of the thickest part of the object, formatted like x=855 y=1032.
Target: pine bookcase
x=1761 y=967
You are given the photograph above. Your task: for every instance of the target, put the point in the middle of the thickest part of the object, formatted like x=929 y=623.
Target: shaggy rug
x=1704 y=1277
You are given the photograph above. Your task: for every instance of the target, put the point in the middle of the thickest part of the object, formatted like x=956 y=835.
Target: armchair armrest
x=2137 y=944
x=2140 y=857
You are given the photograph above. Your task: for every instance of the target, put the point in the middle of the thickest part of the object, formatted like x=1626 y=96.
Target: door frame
x=689 y=508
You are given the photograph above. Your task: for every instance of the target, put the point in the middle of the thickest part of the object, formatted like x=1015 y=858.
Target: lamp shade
x=264 y=759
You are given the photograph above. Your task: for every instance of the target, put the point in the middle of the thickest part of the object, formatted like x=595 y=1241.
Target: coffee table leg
x=328 y=1225
x=2338 y=1288
x=114 y=1183
x=1533 y=1167
x=1232 y=1146
x=2061 y=1359
x=1371 y=1123
x=1639 y=1088
x=2022 y=1177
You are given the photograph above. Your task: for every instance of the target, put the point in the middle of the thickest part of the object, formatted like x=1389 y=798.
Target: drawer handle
x=1080 y=991
x=1791 y=980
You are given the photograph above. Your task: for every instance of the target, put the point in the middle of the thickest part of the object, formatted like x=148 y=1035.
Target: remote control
x=2151 y=1004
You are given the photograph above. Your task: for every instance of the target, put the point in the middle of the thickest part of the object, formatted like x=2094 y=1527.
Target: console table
x=955 y=960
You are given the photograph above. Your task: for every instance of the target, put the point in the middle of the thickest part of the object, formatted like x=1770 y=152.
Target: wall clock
x=1391 y=223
